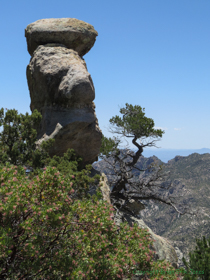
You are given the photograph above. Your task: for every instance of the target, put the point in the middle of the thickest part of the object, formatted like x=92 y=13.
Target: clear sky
x=151 y=53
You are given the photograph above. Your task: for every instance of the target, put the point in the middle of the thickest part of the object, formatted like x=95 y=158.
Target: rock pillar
x=61 y=88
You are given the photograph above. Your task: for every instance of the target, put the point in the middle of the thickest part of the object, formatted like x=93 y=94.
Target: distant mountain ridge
x=167 y=154
x=190 y=177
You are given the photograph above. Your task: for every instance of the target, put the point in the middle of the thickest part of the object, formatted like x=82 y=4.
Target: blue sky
x=151 y=53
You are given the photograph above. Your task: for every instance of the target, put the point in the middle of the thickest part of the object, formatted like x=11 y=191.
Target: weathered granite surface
x=58 y=76
x=104 y=186
x=61 y=88
x=71 y=32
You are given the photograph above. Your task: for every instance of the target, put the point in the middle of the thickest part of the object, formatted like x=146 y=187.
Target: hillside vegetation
x=190 y=177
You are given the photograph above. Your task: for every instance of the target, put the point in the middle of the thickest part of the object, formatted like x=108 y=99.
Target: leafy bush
x=17 y=140
x=50 y=226
x=46 y=234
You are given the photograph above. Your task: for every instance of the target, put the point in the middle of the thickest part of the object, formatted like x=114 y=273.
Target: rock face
x=180 y=256
x=104 y=186
x=61 y=88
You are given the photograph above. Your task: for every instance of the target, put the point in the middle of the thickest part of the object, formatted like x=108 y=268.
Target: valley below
x=189 y=178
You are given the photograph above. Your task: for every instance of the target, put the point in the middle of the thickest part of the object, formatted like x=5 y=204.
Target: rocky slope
x=190 y=177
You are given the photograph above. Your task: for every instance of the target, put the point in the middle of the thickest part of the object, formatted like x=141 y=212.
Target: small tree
x=199 y=263
x=18 y=144
x=17 y=140
x=18 y=147
x=134 y=124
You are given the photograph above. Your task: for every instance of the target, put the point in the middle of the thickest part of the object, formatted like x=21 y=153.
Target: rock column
x=61 y=88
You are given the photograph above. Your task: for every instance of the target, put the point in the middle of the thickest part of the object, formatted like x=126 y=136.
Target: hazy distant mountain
x=167 y=154
x=190 y=176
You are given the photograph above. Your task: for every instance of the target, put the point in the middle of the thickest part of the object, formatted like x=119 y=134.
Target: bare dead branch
x=151 y=185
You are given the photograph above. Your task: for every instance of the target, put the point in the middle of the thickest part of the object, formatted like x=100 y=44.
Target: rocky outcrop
x=103 y=184
x=61 y=88
x=179 y=256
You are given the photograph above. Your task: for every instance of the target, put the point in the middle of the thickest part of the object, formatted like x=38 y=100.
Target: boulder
x=61 y=88
x=58 y=77
x=179 y=256
x=73 y=33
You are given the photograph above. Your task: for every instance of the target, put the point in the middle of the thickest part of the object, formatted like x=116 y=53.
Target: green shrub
x=46 y=234
x=50 y=226
x=199 y=263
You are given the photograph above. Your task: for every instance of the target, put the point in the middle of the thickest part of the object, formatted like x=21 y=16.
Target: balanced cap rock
x=73 y=33
x=61 y=88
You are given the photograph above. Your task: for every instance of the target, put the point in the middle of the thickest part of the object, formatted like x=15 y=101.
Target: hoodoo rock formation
x=61 y=88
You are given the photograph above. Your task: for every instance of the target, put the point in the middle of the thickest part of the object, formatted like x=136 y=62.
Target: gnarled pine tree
x=151 y=185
